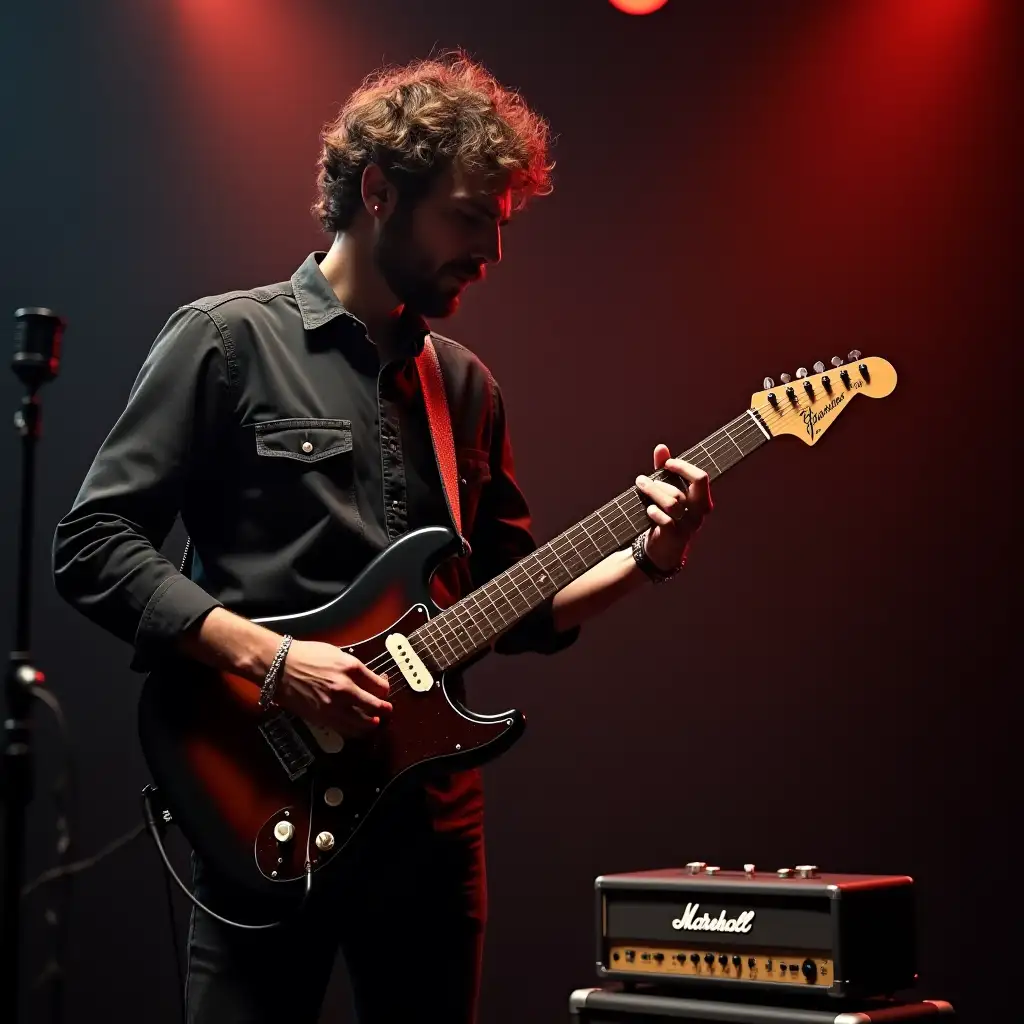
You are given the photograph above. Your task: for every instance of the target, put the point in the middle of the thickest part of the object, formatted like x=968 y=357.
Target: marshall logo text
x=690 y=922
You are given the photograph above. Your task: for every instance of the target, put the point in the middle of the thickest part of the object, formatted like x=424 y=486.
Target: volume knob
x=695 y=867
x=284 y=831
x=784 y=872
x=807 y=870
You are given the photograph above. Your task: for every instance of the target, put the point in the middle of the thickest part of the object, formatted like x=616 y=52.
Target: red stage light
x=638 y=6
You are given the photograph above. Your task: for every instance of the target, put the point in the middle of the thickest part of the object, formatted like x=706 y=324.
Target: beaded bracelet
x=269 y=687
x=647 y=566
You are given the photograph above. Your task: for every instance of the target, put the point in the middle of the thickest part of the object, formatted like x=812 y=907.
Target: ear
x=378 y=194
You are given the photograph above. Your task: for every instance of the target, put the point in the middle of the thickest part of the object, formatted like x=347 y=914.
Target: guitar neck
x=474 y=622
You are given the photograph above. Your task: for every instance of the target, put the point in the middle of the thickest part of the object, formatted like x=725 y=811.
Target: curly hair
x=415 y=121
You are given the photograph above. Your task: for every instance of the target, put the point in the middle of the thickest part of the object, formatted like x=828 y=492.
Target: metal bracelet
x=647 y=566
x=269 y=687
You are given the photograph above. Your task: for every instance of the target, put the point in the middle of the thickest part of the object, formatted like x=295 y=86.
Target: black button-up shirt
x=295 y=451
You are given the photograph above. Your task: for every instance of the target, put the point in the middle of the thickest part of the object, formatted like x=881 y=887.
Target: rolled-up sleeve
x=106 y=561
x=502 y=536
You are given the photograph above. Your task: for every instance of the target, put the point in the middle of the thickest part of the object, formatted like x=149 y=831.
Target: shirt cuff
x=176 y=605
x=537 y=633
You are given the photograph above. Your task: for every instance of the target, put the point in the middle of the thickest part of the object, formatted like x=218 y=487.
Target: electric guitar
x=262 y=794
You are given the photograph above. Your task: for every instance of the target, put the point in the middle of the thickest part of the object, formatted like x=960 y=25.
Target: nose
x=489 y=248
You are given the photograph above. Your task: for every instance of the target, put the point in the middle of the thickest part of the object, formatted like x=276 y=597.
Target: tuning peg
x=819 y=367
x=768 y=383
x=785 y=378
x=801 y=373
x=837 y=361
x=853 y=355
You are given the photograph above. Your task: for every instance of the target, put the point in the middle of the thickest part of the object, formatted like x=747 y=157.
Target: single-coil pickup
x=409 y=663
x=288 y=746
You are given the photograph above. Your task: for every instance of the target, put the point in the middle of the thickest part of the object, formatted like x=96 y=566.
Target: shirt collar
x=318 y=305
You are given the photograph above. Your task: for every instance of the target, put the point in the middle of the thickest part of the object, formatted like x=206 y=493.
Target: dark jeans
x=407 y=912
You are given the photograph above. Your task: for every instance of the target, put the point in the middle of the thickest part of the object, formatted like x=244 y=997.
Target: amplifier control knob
x=784 y=872
x=809 y=970
x=709 y=958
x=807 y=870
x=694 y=959
x=712 y=870
x=695 y=867
x=723 y=960
x=737 y=960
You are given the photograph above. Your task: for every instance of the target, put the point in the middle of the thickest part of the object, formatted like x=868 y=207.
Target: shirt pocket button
x=307 y=446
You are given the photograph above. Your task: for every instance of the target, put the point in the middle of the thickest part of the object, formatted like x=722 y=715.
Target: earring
x=376 y=208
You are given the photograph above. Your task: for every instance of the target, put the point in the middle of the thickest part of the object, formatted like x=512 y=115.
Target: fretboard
x=474 y=622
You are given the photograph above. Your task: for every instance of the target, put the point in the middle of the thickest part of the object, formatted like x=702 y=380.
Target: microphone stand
x=36 y=361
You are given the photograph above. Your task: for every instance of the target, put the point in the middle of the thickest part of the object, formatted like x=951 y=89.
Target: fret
x=475 y=621
x=590 y=537
x=731 y=438
x=568 y=540
x=611 y=533
x=711 y=457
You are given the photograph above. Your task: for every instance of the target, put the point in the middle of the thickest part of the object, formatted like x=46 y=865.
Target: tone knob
x=807 y=870
x=748 y=870
x=768 y=383
x=284 y=831
x=801 y=373
x=712 y=870
x=784 y=872
x=695 y=867
x=837 y=361
x=325 y=841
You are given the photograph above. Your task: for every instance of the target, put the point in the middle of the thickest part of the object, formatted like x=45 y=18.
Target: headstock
x=809 y=405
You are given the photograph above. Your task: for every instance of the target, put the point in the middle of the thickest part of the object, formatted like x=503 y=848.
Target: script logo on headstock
x=690 y=922
x=812 y=418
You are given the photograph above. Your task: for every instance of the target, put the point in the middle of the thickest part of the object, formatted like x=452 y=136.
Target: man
x=287 y=426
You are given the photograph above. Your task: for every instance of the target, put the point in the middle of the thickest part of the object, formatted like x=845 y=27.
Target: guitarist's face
x=428 y=251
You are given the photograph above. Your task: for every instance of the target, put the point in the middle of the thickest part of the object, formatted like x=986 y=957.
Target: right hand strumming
x=321 y=683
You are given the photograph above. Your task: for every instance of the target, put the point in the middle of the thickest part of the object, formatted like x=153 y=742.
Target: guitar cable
x=155 y=830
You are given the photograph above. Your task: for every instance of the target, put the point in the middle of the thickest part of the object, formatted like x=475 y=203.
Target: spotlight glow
x=638 y=6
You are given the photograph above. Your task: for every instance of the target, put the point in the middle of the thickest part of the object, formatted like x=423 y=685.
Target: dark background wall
x=743 y=188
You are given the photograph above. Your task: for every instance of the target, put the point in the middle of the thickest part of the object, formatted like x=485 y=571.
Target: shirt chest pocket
x=304 y=474
x=304 y=440
x=474 y=475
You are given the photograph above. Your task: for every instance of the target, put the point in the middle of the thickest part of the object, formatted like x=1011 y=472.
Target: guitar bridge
x=288 y=746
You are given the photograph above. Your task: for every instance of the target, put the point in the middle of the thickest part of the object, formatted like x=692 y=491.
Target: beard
x=410 y=273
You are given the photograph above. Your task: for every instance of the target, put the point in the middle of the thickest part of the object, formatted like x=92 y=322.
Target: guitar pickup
x=288 y=746
x=416 y=674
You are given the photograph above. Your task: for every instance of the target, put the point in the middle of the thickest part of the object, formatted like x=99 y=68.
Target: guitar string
x=433 y=639
x=746 y=428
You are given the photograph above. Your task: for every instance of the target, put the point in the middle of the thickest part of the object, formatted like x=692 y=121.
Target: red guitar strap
x=440 y=421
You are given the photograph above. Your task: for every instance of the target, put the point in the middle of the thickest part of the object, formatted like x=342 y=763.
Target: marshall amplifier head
x=791 y=930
